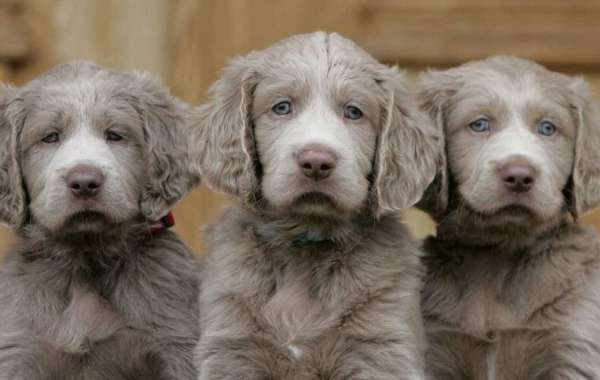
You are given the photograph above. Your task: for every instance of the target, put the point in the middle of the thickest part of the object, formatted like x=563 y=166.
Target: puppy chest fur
x=513 y=314
x=302 y=312
x=124 y=321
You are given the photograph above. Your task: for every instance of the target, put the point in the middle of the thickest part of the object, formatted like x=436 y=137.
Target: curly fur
x=512 y=295
x=296 y=294
x=113 y=301
x=12 y=198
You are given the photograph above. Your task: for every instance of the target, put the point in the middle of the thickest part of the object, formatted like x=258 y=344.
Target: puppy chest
x=93 y=339
x=86 y=320
x=508 y=355
x=294 y=312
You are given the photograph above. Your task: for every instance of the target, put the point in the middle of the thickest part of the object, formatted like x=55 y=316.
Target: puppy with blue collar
x=313 y=274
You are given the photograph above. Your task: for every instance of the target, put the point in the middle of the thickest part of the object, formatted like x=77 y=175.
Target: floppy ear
x=408 y=148
x=168 y=172
x=224 y=145
x=12 y=193
x=435 y=91
x=585 y=193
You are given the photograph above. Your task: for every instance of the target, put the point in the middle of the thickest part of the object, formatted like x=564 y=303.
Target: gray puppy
x=513 y=282
x=314 y=276
x=90 y=159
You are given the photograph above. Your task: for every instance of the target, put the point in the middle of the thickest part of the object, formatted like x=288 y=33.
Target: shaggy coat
x=88 y=291
x=512 y=290
x=314 y=275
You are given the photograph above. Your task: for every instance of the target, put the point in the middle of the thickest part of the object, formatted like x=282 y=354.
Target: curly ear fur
x=586 y=168
x=12 y=193
x=169 y=175
x=435 y=90
x=224 y=133
x=408 y=149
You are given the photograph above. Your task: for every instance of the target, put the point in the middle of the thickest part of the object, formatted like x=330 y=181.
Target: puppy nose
x=85 y=180
x=316 y=162
x=518 y=177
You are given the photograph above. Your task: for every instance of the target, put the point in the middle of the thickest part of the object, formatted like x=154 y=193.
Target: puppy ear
x=435 y=91
x=224 y=146
x=12 y=193
x=585 y=193
x=408 y=149
x=169 y=176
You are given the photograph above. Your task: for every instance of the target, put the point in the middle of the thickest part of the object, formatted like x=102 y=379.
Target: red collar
x=163 y=223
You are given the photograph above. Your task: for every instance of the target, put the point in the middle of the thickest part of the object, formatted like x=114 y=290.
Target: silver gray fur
x=97 y=296
x=344 y=305
x=513 y=294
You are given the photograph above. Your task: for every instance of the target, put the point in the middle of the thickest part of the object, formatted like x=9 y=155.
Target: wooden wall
x=187 y=42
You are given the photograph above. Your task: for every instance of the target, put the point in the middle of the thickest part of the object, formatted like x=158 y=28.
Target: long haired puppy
x=513 y=282
x=314 y=275
x=96 y=287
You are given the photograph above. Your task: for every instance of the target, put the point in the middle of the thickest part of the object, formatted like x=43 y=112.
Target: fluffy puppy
x=513 y=282
x=313 y=275
x=90 y=161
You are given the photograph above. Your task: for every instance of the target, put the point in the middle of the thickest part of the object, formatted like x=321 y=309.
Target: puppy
x=96 y=287
x=513 y=282
x=313 y=275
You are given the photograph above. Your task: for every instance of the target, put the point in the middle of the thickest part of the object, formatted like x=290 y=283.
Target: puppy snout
x=518 y=176
x=85 y=180
x=316 y=161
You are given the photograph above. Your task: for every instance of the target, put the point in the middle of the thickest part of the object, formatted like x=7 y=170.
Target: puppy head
x=315 y=125
x=83 y=147
x=519 y=140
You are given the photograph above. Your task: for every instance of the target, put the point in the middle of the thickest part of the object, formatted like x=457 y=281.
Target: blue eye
x=480 y=125
x=352 y=113
x=546 y=128
x=282 y=108
x=113 y=136
x=51 y=138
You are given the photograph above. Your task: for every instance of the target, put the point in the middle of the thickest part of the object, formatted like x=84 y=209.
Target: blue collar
x=307 y=238
x=269 y=234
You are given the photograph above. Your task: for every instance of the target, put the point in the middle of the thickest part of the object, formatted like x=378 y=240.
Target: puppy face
x=513 y=135
x=314 y=125
x=81 y=154
x=511 y=143
x=316 y=132
x=92 y=148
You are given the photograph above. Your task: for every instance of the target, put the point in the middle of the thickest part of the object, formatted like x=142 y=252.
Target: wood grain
x=14 y=41
x=434 y=32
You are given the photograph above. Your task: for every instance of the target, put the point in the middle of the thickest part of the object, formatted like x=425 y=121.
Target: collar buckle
x=163 y=223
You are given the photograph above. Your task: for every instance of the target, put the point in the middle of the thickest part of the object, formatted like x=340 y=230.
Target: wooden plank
x=14 y=41
x=38 y=21
x=4 y=73
x=123 y=34
x=449 y=32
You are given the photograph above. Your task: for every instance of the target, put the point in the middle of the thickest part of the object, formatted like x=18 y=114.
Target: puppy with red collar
x=96 y=287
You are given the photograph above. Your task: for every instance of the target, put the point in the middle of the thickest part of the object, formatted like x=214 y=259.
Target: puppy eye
x=546 y=128
x=480 y=125
x=113 y=136
x=51 y=138
x=352 y=113
x=282 y=108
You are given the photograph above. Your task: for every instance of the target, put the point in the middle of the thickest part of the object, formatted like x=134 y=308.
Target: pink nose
x=84 y=180
x=316 y=161
x=518 y=176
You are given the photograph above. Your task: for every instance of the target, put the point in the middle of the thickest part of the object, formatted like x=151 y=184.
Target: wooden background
x=187 y=43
